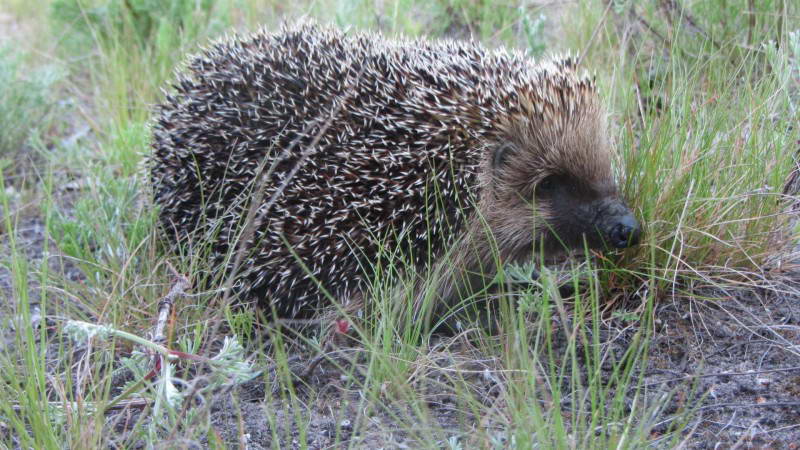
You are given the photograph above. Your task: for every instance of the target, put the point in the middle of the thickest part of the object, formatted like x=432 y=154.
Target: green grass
x=26 y=104
x=703 y=105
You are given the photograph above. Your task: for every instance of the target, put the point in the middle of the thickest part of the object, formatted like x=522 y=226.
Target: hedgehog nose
x=626 y=232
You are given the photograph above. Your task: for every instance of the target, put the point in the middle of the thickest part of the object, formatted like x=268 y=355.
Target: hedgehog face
x=554 y=191
x=575 y=209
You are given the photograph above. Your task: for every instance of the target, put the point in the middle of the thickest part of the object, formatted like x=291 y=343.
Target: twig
x=596 y=30
x=751 y=23
x=165 y=307
x=254 y=217
x=136 y=402
x=164 y=310
x=650 y=28
x=733 y=405
x=686 y=18
x=722 y=374
x=750 y=405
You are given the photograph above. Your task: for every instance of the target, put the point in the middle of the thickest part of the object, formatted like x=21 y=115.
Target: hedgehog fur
x=354 y=143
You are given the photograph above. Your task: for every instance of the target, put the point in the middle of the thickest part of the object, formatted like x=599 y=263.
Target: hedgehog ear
x=501 y=153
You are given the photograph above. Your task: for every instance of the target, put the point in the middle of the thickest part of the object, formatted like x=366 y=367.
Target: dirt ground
x=735 y=358
x=734 y=355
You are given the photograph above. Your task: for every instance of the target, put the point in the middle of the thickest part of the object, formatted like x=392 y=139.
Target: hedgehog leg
x=565 y=290
x=482 y=310
x=476 y=315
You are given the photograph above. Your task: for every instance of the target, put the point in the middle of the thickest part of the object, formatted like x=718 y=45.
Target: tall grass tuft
x=705 y=117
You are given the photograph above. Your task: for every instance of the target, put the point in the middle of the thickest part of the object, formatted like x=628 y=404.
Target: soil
x=734 y=356
x=739 y=352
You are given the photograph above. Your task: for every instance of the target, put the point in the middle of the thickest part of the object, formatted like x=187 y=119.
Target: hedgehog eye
x=546 y=186
x=501 y=155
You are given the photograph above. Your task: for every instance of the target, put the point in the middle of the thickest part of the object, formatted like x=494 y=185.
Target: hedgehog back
x=386 y=137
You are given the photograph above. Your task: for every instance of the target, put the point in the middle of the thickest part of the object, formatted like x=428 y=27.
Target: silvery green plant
x=228 y=367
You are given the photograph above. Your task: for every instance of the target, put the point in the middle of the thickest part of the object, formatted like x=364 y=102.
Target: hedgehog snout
x=617 y=225
x=625 y=232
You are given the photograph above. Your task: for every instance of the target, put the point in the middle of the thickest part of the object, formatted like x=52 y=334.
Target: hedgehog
x=315 y=151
